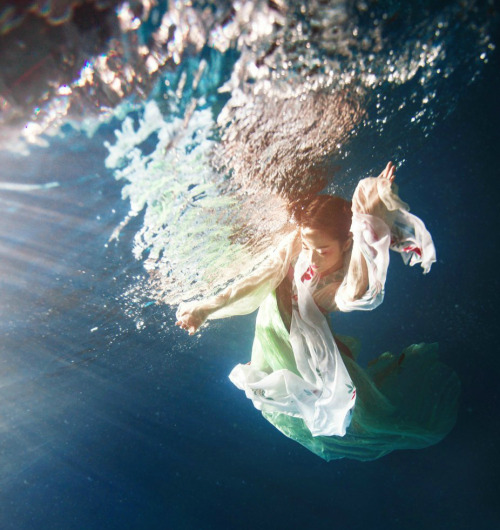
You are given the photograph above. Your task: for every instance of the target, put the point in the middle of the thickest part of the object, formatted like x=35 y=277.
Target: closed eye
x=321 y=251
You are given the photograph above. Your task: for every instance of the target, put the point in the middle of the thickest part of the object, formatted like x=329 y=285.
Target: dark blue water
x=105 y=423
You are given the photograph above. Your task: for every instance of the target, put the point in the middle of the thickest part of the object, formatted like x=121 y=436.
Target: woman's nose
x=313 y=257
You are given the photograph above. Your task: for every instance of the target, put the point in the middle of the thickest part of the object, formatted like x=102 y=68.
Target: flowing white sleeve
x=246 y=296
x=380 y=221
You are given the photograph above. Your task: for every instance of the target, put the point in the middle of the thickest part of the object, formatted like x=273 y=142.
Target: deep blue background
x=124 y=428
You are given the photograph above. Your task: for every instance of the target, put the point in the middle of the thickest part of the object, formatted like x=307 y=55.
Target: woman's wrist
x=210 y=306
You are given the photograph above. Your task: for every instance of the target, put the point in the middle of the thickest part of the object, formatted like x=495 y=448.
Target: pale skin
x=326 y=255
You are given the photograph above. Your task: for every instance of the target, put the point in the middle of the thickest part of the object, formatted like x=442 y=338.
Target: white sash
x=324 y=394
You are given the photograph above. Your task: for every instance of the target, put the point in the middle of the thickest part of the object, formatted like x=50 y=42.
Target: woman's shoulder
x=290 y=246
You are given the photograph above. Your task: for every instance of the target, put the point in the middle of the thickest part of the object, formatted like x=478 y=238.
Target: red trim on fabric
x=413 y=248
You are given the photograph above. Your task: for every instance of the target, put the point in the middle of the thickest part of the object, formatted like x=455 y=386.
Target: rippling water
x=215 y=105
x=149 y=150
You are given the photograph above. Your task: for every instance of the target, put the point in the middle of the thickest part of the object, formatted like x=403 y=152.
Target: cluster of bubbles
x=231 y=109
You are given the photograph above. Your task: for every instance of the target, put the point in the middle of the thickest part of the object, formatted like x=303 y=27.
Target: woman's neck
x=335 y=268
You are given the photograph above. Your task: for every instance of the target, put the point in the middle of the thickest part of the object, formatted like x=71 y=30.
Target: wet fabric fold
x=321 y=392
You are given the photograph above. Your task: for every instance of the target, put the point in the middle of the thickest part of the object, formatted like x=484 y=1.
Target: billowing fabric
x=319 y=389
x=376 y=230
x=246 y=296
x=407 y=401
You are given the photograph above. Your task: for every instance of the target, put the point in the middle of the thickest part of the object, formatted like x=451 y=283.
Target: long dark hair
x=329 y=213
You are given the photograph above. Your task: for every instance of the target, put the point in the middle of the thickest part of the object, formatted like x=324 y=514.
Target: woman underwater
x=305 y=379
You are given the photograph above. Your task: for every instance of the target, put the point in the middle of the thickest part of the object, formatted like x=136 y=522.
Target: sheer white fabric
x=246 y=296
x=324 y=394
x=380 y=221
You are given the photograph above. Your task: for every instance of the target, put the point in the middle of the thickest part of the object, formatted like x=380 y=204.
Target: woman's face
x=324 y=253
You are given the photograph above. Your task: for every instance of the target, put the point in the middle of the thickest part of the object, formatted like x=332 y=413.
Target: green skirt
x=407 y=401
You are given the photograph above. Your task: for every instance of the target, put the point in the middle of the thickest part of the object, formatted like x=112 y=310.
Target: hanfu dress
x=305 y=380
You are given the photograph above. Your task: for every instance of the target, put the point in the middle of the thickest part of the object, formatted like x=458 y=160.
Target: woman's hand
x=191 y=317
x=367 y=199
x=389 y=172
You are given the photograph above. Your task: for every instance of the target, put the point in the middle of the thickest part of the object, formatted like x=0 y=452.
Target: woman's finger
x=389 y=172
